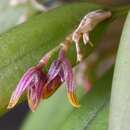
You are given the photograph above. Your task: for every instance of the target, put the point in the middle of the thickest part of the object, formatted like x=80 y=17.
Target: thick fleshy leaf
x=120 y=98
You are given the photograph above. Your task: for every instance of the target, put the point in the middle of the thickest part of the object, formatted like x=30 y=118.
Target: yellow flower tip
x=32 y=107
x=73 y=100
x=11 y=104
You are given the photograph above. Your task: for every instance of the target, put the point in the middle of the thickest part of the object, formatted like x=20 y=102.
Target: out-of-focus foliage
x=10 y=16
x=120 y=106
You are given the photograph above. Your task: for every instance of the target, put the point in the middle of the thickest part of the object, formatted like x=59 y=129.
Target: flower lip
x=51 y=87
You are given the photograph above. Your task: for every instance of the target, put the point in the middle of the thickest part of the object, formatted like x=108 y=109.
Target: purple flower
x=62 y=68
x=39 y=85
x=33 y=82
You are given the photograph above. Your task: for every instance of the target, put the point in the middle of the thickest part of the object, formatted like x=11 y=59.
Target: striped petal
x=54 y=70
x=27 y=80
x=34 y=92
x=68 y=74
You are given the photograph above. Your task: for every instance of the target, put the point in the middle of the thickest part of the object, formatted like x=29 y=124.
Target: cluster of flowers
x=40 y=85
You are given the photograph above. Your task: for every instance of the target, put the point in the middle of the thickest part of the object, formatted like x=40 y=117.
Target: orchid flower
x=32 y=82
x=62 y=68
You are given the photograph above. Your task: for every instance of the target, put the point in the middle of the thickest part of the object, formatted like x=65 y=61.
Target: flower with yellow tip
x=32 y=82
x=62 y=68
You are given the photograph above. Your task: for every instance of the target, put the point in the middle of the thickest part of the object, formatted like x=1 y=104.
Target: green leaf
x=57 y=114
x=120 y=106
x=100 y=122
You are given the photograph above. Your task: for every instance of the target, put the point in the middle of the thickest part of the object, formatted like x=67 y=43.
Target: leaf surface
x=120 y=97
